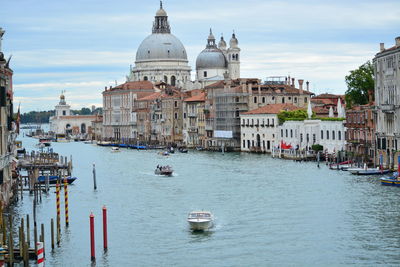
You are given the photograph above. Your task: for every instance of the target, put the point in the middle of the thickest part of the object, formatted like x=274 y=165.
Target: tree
x=359 y=83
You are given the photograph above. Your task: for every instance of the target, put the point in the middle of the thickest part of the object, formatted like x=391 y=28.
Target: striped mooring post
x=58 y=209
x=66 y=201
x=40 y=254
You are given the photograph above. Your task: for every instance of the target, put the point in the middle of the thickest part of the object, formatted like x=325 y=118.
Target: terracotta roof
x=326 y=95
x=280 y=88
x=153 y=96
x=272 y=109
x=138 y=85
x=197 y=98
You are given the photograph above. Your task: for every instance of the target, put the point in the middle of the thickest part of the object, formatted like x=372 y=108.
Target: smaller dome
x=211 y=59
x=161 y=13
x=233 y=42
x=222 y=44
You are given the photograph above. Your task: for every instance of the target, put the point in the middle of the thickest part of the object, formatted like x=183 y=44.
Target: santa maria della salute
x=161 y=57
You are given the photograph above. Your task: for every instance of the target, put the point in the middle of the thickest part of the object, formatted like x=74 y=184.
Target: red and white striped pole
x=105 y=228
x=40 y=254
x=92 y=245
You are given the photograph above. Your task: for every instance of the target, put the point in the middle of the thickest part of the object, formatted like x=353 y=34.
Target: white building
x=65 y=123
x=259 y=127
x=304 y=134
x=387 y=99
x=161 y=57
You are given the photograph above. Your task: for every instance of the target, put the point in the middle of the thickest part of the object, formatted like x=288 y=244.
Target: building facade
x=194 y=119
x=360 y=134
x=119 y=118
x=259 y=127
x=387 y=99
x=8 y=128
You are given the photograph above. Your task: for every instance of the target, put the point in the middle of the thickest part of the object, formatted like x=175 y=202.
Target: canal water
x=267 y=211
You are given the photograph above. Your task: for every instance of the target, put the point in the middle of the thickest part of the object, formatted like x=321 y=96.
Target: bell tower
x=234 y=58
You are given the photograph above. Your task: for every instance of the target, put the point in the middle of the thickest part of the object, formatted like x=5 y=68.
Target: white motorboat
x=115 y=149
x=200 y=220
x=367 y=171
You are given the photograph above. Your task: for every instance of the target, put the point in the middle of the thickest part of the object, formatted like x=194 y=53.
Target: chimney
x=301 y=86
x=110 y=87
x=397 y=41
x=292 y=82
x=382 y=46
x=285 y=80
x=288 y=81
x=308 y=86
x=105 y=89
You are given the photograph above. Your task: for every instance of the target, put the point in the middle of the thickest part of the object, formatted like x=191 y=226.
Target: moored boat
x=367 y=171
x=393 y=180
x=200 y=220
x=53 y=179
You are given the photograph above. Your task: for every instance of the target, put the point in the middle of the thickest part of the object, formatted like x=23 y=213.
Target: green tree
x=359 y=82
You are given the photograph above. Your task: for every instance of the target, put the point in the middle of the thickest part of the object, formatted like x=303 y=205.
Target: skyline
x=83 y=47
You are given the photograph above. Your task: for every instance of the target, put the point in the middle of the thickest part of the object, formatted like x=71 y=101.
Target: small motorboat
x=171 y=150
x=115 y=149
x=200 y=220
x=367 y=171
x=53 y=179
x=164 y=153
x=163 y=170
x=392 y=180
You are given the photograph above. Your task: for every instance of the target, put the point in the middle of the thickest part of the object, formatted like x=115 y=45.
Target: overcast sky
x=81 y=46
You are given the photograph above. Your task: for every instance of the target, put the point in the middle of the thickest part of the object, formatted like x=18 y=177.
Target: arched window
x=83 y=128
x=145 y=78
x=165 y=79
x=237 y=57
x=173 y=80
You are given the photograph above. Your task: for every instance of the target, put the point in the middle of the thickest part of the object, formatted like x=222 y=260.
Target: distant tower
x=62 y=109
x=234 y=58
x=1 y=36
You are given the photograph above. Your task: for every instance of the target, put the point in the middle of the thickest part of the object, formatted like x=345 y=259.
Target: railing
x=192 y=130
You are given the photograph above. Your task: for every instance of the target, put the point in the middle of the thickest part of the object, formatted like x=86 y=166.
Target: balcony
x=192 y=114
x=192 y=130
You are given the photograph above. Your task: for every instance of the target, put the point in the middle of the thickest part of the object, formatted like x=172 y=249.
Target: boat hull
x=165 y=173
x=200 y=225
x=53 y=179
x=368 y=172
x=390 y=182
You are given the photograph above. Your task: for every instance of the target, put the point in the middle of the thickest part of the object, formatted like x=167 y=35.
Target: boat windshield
x=199 y=215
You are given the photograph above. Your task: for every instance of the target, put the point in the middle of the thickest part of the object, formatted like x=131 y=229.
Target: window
x=272 y=122
x=184 y=115
x=255 y=99
x=263 y=99
x=283 y=100
x=286 y=132
x=291 y=133
x=176 y=104
x=305 y=100
x=165 y=79
x=313 y=138
x=281 y=132
x=301 y=138
x=244 y=143
x=333 y=135
x=322 y=134
x=237 y=99
x=176 y=115
x=308 y=138
x=327 y=134
x=64 y=113
x=295 y=100
x=145 y=78
x=339 y=135
x=205 y=74
x=173 y=80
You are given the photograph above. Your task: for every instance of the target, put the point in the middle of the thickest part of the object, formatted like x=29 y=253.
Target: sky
x=81 y=46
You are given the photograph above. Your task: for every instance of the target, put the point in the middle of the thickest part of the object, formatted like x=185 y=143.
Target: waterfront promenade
x=268 y=211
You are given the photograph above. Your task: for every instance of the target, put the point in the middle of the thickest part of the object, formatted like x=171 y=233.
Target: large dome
x=211 y=58
x=161 y=46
